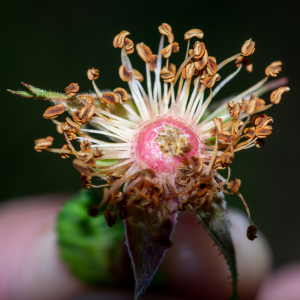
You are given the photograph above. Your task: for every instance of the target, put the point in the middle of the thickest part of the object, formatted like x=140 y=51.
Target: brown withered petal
x=53 y=111
x=166 y=75
x=241 y=60
x=251 y=232
x=144 y=52
x=200 y=64
x=124 y=74
x=138 y=76
x=172 y=68
x=86 y=113
x=211 y=80
x=44 y=143
x=276 y=95
x=153 y=61
x=65 y=155
x=212 y=66
x=92 y=74
x=87 y=98
x=166 y=29
x=248 y=48
x=122 y=93
x=273 y=69
x=110 y=98
x=199 y=49
x=110 y=217
x=234 y=185
x=85 y=146
x=72 y=89
x=167 y=51
x=120 y=38
x=193 y=32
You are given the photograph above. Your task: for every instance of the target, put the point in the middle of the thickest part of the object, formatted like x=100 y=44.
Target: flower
x=166 y=149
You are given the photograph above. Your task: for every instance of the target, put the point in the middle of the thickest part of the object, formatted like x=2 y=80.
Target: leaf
x=217 y=224
x=91 y=249
x=147 y=247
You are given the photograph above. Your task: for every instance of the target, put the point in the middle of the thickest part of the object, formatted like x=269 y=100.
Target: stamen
x=105 y=133
x=197 y=117
x=228 y=60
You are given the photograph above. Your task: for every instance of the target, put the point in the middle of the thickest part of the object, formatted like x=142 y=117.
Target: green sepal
x=40 y=94
x=90 y=248
x=216 y=222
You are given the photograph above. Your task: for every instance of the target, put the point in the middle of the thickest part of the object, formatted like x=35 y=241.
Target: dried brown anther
x=211 y=80
x=85 y=146
x=82 y=116
x=110 y=98
x=167 y=51
x=110 y=217
x=72 y=89
x=65 y=155
x=241 y=60
x=44 y=143
x=86 y=181
x=153 y=62
x=276 y=95
x=189 y=70
x=53 y=111
x=129 y=46
x=87 y=98
x=137 y=75
x=234 y=185
x=201 y=63
x=119 y=39
x=97 y=152
x=273 y=69
x=248 y=48
x=199 y=49
x=166 y=75
x=92 y=74
x=124 y=74
x=251 y=232
x=144 y=52
x=166 y=29
x=193 y=33
x=122 y=94
x=93 y=211
x=81 y=166
x=88 y=159
x=172 y=68
x=212 y=66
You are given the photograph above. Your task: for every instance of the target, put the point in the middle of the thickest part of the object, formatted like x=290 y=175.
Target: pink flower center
x=162 y=145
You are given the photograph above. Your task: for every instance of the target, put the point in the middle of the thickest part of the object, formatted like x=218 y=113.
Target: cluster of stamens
x=176 y=160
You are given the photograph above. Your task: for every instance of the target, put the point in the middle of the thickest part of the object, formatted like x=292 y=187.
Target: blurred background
x=50 y=44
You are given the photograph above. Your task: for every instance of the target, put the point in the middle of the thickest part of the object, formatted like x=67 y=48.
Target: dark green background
x=50 y=44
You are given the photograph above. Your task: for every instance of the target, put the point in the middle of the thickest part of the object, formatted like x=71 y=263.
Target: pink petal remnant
x=149 y=153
